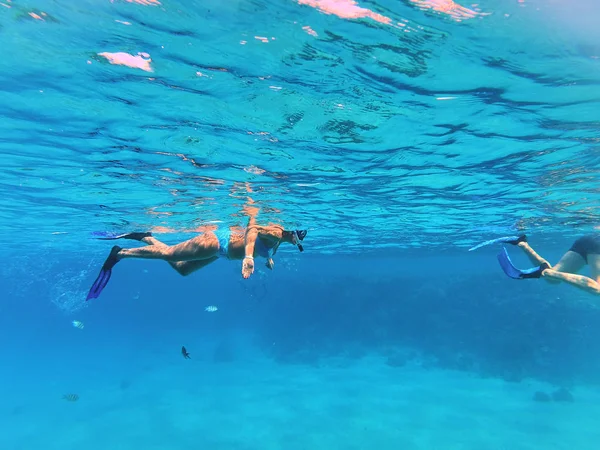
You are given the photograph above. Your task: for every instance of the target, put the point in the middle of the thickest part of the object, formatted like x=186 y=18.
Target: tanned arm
x=249 y=242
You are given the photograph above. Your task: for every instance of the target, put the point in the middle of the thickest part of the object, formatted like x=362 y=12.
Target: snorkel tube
x=299 y=236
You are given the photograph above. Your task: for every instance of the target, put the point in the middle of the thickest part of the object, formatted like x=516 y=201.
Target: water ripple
x=392 y=124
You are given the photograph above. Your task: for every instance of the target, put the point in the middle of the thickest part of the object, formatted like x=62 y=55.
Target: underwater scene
x=300 y=224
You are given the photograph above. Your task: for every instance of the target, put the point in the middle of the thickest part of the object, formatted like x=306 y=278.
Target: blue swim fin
x=99 y=284
x=104 y=275
x=507 y=265
x=514 y=240
x=518 y=274
x=136 y=236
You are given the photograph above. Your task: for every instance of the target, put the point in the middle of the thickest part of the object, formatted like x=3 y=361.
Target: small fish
x=70 y=397
x=185 y=353
x=77 y=324
x=211 y=308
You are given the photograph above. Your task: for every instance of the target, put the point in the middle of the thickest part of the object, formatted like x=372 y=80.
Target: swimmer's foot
x=535 y=272
x=511 y=271
x=105 y=273
x=518 y=240
x=136 y=236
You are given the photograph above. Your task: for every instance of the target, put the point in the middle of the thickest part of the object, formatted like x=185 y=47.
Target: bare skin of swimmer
x=566 y=269
x=198 y=252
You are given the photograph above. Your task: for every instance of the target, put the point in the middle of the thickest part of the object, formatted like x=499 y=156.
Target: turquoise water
x=399 y=133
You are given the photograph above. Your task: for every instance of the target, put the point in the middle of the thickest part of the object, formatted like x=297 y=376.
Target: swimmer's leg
x=579 y=281
x=187 y=267
x=184 y=268
x=594 y=262
x=536 y=259
x=530 y=252
x=200 y=247
x=203 y=248
x=510 y=270
x=572 y=262
x=565 y=270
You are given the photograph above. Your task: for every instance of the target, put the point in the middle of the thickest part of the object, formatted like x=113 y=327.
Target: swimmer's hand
x=270 y=263
x=247 y=266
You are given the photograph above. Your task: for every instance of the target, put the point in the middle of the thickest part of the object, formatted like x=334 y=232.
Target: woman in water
x=233 y=243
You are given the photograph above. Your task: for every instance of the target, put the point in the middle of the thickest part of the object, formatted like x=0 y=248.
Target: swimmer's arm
x=248 y=262
x=249 y=242
x=251 y=222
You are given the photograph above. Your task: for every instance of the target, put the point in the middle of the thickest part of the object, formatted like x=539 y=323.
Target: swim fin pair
x=518 y=274
x=106 y=270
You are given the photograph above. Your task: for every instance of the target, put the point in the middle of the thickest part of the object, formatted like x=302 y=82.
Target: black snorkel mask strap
x=299 y=235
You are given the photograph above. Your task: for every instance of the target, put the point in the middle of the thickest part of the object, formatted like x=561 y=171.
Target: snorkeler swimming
x=585 y=250
x=233 y=243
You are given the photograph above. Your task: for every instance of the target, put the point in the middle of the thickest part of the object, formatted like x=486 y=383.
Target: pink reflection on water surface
x=346 y=9
x=140 y=61
x=449 y=7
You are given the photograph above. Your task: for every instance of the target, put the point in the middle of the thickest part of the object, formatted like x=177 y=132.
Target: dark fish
x=71 y=397
x=185 y=353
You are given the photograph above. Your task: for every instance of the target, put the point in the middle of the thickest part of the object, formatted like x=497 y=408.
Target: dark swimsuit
x=586 y=245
